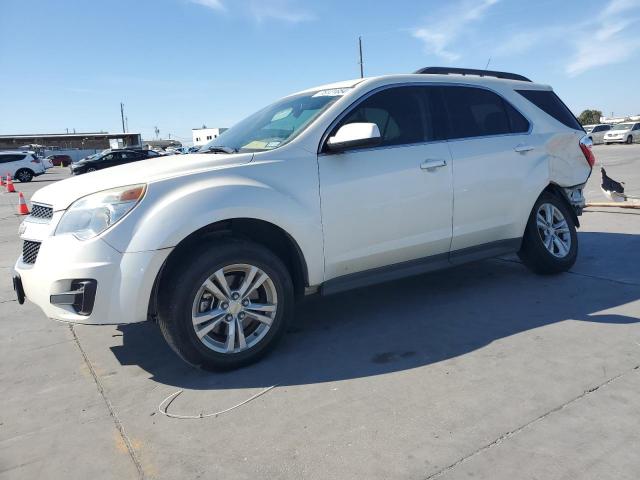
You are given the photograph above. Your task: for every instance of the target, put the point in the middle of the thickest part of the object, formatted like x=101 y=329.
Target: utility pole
x=122 y=116
x=126 y=123
x=361 y=62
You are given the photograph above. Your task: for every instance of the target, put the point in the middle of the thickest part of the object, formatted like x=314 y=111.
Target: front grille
x=30 y=251
x=41 y=211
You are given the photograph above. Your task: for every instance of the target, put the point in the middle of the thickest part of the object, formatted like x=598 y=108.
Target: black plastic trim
x=471 y=71
x=422 y=265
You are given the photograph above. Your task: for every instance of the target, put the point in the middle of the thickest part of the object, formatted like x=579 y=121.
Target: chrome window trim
x=361 y=99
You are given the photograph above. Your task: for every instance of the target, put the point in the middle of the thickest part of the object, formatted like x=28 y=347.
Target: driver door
x=384 y=205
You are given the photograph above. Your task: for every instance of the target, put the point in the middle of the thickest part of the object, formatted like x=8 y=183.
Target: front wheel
x=629 y=140
x=226 y=305
x=550 y=242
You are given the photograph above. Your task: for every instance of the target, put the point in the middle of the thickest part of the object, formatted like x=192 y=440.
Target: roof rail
x=471 y=71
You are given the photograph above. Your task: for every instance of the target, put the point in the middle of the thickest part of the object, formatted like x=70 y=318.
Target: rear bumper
x=122 y=281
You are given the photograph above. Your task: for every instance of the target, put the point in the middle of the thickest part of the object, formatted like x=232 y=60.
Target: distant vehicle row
x=620 y=133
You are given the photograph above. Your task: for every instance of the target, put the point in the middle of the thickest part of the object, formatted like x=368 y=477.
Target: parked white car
x=596 y=132
x=336 y=187
x=623 y=133
x=21 y=165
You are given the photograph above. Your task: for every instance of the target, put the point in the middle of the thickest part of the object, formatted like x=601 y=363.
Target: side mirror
x=354 y=135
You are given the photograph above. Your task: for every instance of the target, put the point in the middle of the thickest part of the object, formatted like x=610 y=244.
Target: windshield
x=90 y=157
x=623 y=126
x=276 y=124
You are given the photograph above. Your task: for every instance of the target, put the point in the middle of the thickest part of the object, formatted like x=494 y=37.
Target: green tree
x=589 y=117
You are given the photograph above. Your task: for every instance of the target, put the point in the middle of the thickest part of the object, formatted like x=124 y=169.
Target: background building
x=81 y=141
x=76 y=145
x=205 y=135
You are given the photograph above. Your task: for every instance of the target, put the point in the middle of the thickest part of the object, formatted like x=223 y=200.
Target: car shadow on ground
x=408 y=323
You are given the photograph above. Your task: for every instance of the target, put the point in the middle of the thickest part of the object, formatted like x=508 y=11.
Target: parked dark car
x=60 y=160
x=110 y=159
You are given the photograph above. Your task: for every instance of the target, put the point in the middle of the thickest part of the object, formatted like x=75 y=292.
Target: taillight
x=585 y=146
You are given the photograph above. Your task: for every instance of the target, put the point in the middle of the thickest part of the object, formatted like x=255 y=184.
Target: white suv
x=623 y=133
x=336 y=187
x=22 y=166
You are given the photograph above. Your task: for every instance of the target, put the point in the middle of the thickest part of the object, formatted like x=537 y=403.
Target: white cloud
x=600 y=40
x=439 y=36
x=263 y=10
x=612 y=39
x=214 y=4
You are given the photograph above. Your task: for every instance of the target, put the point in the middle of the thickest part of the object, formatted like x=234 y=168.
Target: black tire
x=533 y=252
x=181 y=283
x=24 y=175
x=91 y=169
x=629 y=140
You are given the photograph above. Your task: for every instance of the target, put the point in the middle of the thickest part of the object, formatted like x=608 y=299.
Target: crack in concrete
x=112 y=411
x=511 y=433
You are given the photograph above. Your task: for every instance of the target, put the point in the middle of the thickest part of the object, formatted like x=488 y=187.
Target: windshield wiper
x=216 y=149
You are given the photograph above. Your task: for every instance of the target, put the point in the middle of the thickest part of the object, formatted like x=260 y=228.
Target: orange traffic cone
x=22 y=205
x=10 y=187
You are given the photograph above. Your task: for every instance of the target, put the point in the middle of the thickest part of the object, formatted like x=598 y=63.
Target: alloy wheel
x=234 y=308
x=554 y=230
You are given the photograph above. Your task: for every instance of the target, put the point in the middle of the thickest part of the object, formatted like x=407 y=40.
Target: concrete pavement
x=485 y=370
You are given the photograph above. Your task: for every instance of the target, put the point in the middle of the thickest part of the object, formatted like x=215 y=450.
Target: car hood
x=63 y=193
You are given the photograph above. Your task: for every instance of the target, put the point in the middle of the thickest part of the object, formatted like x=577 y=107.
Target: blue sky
x=179 y=64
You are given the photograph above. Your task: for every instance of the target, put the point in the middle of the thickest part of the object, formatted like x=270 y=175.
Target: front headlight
x=91 y=215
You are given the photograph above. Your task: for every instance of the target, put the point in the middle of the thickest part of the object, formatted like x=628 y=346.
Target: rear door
x=493 y=155
x=391 y=203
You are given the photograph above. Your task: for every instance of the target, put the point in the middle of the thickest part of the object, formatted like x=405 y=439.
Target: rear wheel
x=226 y=305
x=24 y=175
x=550 y=243
x=91 y=169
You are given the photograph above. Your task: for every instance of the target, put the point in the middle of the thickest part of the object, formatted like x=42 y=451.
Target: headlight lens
x=93 y=214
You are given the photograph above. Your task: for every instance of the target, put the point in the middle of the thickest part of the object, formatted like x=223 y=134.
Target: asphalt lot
x=483 y=371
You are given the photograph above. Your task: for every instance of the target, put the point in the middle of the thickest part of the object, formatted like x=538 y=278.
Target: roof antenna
x=488 y=62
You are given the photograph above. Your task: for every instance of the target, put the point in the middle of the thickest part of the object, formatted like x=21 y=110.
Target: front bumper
x=123 y=281
x=621 y=139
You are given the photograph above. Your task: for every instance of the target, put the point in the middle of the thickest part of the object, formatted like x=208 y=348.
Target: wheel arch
x=262 y=232
x=558 y=191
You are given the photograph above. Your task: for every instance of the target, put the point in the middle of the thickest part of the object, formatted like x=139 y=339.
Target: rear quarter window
x=550 y=103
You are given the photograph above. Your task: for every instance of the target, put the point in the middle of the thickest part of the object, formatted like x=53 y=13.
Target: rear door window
x=550 y=103
x=477 y=112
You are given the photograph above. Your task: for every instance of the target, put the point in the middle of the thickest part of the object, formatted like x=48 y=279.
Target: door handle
x=523 y=148
x=433 y=164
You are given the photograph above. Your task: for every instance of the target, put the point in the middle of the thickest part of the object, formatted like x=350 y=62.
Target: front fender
x=172 y=211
